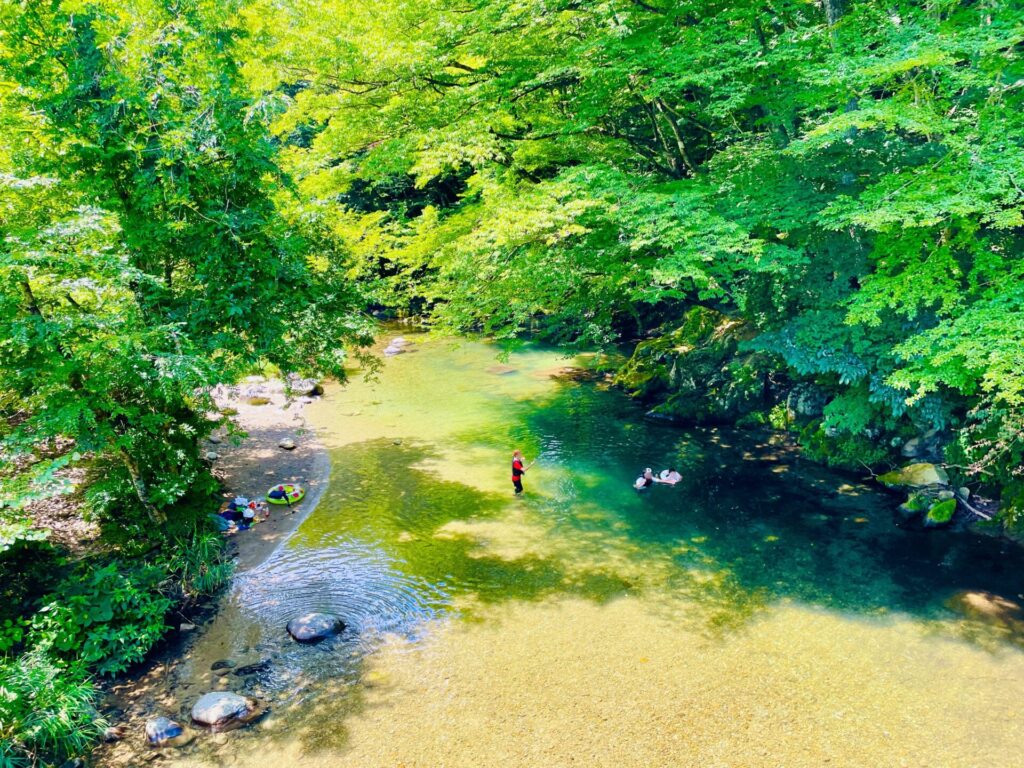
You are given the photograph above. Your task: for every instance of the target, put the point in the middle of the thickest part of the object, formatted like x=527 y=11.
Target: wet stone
x=287 y=443
x=223 y=664
x=221 y=708
x=314 y=627
x=254 y=668
x=164 y=732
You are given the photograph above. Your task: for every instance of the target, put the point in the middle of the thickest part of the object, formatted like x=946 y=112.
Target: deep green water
x=420 y=546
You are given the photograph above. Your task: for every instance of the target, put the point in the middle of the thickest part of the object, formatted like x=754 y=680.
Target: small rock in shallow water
x=313 y=627
x=212 y=455
x=186 y=627
x=164 y=732
x=288 y=444
x=221 y=708
x=254 y=668
x=112 y=734
x=223 y=664
x=214 y=439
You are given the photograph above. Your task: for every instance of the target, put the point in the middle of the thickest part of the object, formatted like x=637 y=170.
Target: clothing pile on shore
x=240 y=514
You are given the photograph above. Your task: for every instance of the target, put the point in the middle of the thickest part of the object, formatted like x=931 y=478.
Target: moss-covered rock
x=915 y=504
x=918 y=475
x=697 y=371
x=940 y=513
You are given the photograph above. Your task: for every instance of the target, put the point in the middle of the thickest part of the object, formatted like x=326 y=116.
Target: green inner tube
x=294 y=494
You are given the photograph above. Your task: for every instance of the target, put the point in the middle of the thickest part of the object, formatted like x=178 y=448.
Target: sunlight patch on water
x=622 y=684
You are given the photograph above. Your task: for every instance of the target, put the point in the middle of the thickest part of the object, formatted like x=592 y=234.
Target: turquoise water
x=764 y=611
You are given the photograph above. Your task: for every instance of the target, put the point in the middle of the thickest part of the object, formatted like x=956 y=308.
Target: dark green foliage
x=107 y=617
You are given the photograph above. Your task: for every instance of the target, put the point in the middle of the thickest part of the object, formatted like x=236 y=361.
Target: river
x=764 y=612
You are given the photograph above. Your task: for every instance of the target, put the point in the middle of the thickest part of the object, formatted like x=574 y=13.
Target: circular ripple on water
x=354 y=580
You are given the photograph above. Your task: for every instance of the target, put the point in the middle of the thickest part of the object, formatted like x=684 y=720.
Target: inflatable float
x=292 y=494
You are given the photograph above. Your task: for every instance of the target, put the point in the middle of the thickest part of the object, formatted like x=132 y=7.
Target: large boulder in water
x=918 y=475
x=313 y=627
x=164 y=732
x=221 y=709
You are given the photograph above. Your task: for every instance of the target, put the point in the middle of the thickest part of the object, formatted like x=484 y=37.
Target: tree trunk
x=834 y=9
x=680 y=144
x=139 y=485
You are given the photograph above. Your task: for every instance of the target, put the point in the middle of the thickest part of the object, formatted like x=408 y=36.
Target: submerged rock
x=222 y=708
x=314 y=627
x=501 y=370
x=222 y=664
x=989 y=608
x=287 y=443
x=164 y=732
x=915 y=476
x=253 y=669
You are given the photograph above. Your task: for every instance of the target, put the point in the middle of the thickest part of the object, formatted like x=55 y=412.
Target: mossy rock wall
x=695 y=374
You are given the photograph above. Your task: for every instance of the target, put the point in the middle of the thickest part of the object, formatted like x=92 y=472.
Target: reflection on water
x=763 y=612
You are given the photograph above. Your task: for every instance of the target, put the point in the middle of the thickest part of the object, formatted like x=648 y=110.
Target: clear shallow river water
x=764 y=612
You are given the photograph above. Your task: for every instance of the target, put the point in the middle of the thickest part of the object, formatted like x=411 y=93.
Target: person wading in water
x=518 y=470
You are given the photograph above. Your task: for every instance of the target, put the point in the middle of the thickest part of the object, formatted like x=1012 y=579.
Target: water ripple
x=349 y=578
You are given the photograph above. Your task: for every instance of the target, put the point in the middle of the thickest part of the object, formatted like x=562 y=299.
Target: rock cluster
x=929 y=494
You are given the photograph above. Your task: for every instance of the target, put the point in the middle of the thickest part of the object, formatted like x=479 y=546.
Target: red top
x=517 y=469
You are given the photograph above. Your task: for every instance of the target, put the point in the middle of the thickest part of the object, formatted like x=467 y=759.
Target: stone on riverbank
x=287 y=443
x=164 y=732
x=305 y=387
x=219 y=709
x=915 y=476
x=313 y=627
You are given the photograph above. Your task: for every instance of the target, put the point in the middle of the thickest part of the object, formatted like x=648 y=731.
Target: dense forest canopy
x=191 y=190
x=844 y=180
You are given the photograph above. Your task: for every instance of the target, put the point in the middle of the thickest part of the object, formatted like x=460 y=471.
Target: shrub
x=108 y=617
x=199 y=562
x=47 y=711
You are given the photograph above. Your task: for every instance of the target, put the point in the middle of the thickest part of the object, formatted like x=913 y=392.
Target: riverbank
x=245 y=465
x=251 y=465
